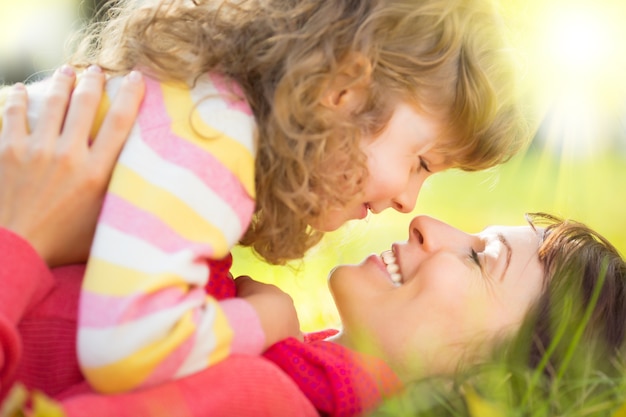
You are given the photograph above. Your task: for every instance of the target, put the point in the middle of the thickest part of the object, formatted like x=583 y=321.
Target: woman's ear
x=348 y=90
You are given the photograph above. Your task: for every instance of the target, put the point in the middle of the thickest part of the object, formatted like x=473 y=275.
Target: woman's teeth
x=389 y=259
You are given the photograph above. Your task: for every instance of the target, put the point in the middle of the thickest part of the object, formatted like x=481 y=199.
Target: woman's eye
x=474 y=257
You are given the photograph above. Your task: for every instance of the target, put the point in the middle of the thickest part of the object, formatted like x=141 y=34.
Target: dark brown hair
x=581 y=315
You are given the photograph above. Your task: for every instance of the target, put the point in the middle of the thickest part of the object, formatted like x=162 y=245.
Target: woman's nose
x=432 y=234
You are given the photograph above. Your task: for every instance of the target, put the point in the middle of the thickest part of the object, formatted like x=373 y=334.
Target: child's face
x=445 y=300
x=399 y=160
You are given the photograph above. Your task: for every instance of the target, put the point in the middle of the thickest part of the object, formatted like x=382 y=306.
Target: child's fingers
x=55 y=104
x=119 y=119
x=83 y=108
x=14 y=122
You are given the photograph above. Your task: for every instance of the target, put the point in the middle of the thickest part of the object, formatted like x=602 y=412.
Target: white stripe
x=104 y=346
x=37 y=93
x=198 y=358
x=119 y=248
x=183 y=184
x=113 y=86
x=214 y=111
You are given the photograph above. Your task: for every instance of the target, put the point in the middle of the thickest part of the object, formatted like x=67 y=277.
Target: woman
x=565 y=357
x=446 y=300
x=442 y=299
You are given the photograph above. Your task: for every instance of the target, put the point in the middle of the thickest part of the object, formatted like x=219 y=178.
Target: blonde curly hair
x=444 y=56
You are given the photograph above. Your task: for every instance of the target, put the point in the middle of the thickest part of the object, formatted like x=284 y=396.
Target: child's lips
x=364 y=211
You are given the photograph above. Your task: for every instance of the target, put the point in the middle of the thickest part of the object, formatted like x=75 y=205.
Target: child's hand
x=274 y=307
x=52 y=182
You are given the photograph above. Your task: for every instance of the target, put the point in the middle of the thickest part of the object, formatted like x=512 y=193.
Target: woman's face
x=452 y=289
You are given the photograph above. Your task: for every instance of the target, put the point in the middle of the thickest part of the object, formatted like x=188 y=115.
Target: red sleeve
x=25 y=279
x=338 y=381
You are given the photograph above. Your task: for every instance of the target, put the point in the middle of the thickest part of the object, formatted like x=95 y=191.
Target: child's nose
x=405 y=201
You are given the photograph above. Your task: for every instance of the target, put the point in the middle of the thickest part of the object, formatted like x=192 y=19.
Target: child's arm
x=274 y=307
x=182 y=193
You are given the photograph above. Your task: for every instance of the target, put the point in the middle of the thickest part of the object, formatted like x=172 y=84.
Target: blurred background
x=573 y=57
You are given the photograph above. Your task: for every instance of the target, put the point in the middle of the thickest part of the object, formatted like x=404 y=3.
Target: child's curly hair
x=447 y=57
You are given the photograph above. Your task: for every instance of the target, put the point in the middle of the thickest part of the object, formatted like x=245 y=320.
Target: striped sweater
x=181 y=194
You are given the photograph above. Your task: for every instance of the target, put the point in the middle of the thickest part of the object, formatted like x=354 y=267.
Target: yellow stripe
x=133 y=370
x=107 y=279
x=229 y=152
x=167 y=207
x=103 y=108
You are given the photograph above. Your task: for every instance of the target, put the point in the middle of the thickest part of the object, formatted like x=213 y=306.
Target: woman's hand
x=52 y=181
x=274 y=307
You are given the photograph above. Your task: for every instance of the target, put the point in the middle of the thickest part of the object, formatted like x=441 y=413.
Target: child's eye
x=423 y=164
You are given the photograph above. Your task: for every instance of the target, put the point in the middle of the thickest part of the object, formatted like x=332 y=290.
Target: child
x=268 y=123
x=458 y=296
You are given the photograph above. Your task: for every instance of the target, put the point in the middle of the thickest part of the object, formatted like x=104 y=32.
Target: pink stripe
x=122 y=215
x=180 y=152
x=248 y=334
x=109 y=311
x=231 y=92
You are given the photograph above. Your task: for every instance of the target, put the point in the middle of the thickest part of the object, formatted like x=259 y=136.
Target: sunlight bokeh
x=581 y=42
x=577 y=72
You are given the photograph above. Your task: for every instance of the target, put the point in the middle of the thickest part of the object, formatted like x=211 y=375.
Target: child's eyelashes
x=420 y=163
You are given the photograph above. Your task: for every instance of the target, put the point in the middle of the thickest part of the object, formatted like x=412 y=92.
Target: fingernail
x=19 y=87
x=134 y=76
x=67 y=70
x=94 y=68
